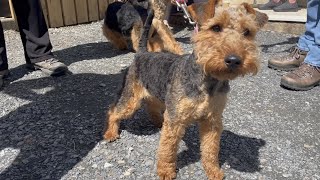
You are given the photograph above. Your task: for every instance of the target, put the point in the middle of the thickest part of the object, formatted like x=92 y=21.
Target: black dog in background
x=121 y=16
x=123 y=23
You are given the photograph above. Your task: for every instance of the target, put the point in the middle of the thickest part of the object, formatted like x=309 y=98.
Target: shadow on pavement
x=100 y=50
x=60 y=124
x=64 y=119
x=239 y=152
x=89 y=51
x=291 y=40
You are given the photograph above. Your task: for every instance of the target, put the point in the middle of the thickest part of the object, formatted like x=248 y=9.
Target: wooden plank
x=45 y=11
x=55 y=13
x=236 y=2
x=261 y=1
x=5 y=9
x=69 y=12
x=300 y=16
x=93 y=10
x=9 y=23
x=82 y=11
x=103 y=4
x=13 y=16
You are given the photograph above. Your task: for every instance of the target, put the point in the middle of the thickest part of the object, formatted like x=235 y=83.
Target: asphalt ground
x=50 y=127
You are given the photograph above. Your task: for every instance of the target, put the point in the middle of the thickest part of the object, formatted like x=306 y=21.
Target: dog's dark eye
x=246 y=32
x=216 y=28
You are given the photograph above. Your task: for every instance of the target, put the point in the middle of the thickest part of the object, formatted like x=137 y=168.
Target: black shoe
x=50 y=66
x=287 y=7
x=3 y=74
x=270 y=5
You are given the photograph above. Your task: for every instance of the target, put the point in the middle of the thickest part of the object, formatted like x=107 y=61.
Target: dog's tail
x=143 y=44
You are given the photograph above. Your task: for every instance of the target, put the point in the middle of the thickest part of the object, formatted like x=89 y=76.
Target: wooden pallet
x=10 y=23
x=69 y=12
x=300 y=16
x=60 y=13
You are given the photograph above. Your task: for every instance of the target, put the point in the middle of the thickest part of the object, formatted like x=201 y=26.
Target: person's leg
x=33 y=30
x=312 y=34
x=308 y=74
x=3 y=53
x=35 y=37
x=312 y=26
x=306 y=41
x=270 y=5
x=3 y=57
x=287 y=6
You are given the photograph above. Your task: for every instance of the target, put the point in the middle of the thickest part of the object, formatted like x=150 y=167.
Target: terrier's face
x=225 y=45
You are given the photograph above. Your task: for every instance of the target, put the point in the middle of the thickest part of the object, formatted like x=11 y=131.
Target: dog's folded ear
x=201 y=12
x=261 y=18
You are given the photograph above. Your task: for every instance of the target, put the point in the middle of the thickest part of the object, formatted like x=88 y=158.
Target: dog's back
x=160 y=63
x=121 y=16
x=111 y=19
x=156 y=70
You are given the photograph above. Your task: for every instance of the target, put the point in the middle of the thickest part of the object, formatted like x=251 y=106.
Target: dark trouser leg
x=3 y=53
x=33 y=30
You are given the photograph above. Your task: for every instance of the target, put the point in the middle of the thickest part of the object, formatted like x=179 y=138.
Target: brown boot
x=304 y=78
x=289 y=62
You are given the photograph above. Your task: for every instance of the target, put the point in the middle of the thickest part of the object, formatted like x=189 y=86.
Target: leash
x=182 y=4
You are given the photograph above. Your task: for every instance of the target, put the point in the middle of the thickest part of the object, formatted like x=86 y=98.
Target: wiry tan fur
x=195 y=89
x=231 y=41
x=115 y=38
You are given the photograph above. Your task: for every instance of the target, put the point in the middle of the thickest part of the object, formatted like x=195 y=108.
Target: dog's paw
x=215 y=175
x=110 y=136
x=167 y=171
x=167 y=175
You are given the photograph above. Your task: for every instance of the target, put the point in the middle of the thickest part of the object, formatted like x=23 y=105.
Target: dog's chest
x=204 y=107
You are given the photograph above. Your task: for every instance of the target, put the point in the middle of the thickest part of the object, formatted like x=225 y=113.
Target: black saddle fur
x=121 y=16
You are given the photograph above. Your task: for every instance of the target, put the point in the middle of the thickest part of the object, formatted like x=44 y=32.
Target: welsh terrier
x=123 y=25
x=182 y=89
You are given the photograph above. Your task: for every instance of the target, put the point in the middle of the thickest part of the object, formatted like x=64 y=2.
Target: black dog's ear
x=201 y=12
x=261 y=18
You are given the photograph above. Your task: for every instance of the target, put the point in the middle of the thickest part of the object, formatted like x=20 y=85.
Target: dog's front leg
x=210 y=133
x=171 y=135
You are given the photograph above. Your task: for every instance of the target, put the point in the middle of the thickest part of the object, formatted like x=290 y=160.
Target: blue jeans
x=310 y=40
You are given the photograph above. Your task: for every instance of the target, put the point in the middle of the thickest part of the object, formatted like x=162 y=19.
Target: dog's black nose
x=232 y=61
